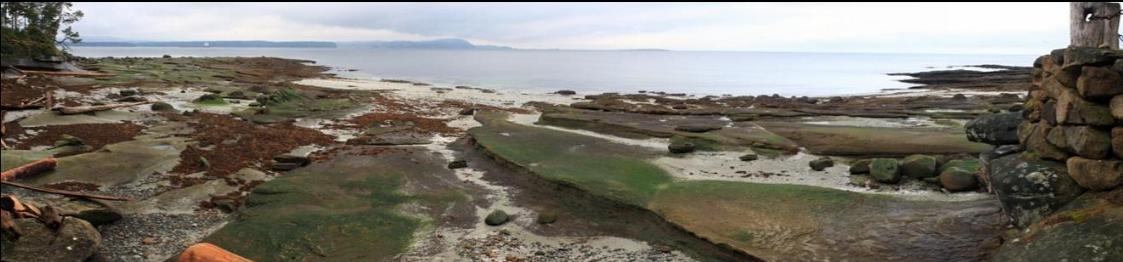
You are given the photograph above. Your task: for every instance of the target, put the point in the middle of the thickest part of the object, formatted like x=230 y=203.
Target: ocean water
x=692 y=72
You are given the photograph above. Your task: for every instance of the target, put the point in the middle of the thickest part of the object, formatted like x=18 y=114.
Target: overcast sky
x=981 y=28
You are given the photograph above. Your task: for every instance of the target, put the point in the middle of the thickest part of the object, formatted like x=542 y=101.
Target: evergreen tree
x=31 y=29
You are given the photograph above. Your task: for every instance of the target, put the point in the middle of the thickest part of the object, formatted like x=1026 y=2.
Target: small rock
x=697 y=128
x=468 y=111
x=226 y=205
x=128 y=92
x=821 y=163
x=280 y=166
x=959 y=97
x=999 y=129
x=162 y=107
x=566 y=92
x=148 y=241
x=68 y=140
x=860 y=167
x=679 y=147
x=749 y=156
x=496 y=218
x=457 y=164
x=680 y=107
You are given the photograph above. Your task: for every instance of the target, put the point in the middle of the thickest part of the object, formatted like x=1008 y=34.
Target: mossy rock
x=918 y=166
x=885 y=170
x=970 y=165
x=497 y=218
x=547 y=217
x=860 y=167
x=821 y=163
x=210 y=99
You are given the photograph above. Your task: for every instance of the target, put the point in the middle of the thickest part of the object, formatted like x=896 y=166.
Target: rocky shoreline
x=275 y=159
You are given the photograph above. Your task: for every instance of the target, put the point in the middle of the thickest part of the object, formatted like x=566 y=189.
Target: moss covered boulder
x=919 y=166
x=885 y=170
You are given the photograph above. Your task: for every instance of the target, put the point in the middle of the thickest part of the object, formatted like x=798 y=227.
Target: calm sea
x=695 y=72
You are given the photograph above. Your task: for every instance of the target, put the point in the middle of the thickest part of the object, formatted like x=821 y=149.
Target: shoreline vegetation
x=277 y=159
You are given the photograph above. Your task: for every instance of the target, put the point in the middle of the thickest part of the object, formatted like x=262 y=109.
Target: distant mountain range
x=451 y=43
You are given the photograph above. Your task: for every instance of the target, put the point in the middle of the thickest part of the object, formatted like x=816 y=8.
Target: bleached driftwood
x=87 y=109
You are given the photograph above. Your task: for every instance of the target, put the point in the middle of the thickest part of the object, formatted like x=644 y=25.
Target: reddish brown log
x=30 y=169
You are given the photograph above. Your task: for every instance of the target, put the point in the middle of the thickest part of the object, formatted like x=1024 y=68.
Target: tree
x=31 y=29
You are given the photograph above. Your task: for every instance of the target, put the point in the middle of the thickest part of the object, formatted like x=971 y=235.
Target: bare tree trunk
x=1094 y=24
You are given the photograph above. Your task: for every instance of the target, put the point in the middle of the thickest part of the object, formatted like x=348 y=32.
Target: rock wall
x=1074 y=114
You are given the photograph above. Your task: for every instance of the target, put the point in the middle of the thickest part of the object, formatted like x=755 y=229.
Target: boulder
x=457 y=164
x=1096 y=175
x=1117 y=141
x=697 y=128
x=957 y=179
x=970 y=165
x=885 y=170
x=496 y=218
x=1098 y=83
x=860 y=167
x=918 y=166
x=997 y=129
x=1029 y=188
x=1084 y=141
x=749 y=156
x=1073 y=110
x=206 y=252
x=1079 y=56
x=162 y=107
x=821 y=163
x=1087 y=229
x=680 y=147
x=1117 y=107
x=75 y=240
x=1037 y=143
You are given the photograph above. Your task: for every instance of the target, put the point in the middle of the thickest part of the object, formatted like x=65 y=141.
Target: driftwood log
x=1094 y=24
x=65 y=192
x=87 y=109
x=30 y=169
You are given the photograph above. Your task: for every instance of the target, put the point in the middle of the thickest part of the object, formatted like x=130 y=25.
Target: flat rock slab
x=103 y=117
x=349 y=208
x=116 y=164
x=635 y=125
x=877 y=141
x=769 y=221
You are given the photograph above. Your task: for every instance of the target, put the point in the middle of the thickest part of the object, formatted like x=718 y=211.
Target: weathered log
x=87 y=109
x=65 y=192
x=1094 y=24
x=29 y=169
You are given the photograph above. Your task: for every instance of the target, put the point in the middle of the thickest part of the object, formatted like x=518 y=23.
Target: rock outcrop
x=1031 y=188
x=999 y=129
